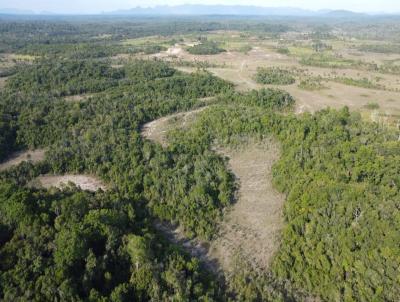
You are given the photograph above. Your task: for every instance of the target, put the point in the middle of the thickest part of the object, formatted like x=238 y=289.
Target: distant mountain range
x=233 y=10
x=198 y=10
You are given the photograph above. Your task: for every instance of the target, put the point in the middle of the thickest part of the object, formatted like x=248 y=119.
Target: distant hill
x=217 y=10
x=199 y=10
x=344 y=14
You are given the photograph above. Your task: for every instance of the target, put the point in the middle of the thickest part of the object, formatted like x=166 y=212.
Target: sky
x=97 y=6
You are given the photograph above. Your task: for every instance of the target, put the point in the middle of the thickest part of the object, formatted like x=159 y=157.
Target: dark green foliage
x=205 y=48
x=381 y=48
x=80 y=246
x=104 y=245
x=343 y=189
x=60 y=78
x=283 y=50
x=7 y=133
x=274 y=75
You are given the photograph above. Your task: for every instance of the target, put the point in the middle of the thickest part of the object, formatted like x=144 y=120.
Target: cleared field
x=251 y=228
x=240 y=68
x=19 y=157
x=85 y=182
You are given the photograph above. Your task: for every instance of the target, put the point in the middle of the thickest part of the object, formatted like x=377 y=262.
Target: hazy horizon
x=99 y=6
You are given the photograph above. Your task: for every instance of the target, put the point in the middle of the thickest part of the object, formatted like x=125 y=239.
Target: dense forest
x=340 y=176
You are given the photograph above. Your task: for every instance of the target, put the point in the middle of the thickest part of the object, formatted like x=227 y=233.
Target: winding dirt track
x=250 y=230
x=21 y=156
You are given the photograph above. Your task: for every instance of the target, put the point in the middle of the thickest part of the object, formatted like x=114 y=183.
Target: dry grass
x=19 y=157
x=250 y=229
x=241 y=67
x=85 y=182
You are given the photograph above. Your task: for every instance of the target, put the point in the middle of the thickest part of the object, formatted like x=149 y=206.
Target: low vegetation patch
x=312 y=84
x=364 y=83
x=372 y=106
x=274 y=75
x=205 y=48
x=381 y=48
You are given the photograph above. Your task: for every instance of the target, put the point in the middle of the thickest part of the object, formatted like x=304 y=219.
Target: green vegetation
x=205 y=48
x=328 y=61
x=372 y=106
x=340 y=175
x=283 y=50
x=274 y=75
x=364 y=83
x=381 y=48
x=312 y=84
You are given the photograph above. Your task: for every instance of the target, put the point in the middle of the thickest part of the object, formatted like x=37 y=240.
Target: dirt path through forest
x=21 y=156
x=250 y=230
x=85 y=182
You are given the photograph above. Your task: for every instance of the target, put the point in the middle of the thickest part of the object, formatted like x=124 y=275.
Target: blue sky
x=94 y=6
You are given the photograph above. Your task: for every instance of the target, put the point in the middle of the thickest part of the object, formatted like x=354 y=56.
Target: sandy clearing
x=85 y=182
x=21 y=156
x=157 y=130
x=78 y=97
x=240 y=69
x=250 y=230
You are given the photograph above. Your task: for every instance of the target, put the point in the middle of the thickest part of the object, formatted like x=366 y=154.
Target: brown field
x=19 y=157
x=250 y=229
x=240 y=68
x=85 y=182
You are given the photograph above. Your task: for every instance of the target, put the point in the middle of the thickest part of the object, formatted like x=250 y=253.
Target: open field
x=348 y=86
x=19 y=157
x=251 y=229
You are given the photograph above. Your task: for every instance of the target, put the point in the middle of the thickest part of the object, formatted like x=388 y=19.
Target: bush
x=205 y=48
x=274 y=75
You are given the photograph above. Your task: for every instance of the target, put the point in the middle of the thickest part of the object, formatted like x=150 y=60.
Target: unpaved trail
x=250 y=230
x=85 y=182
x=157 y=130
x=21 y=156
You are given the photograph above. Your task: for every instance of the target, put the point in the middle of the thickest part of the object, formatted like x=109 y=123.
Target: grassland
x=337 y=74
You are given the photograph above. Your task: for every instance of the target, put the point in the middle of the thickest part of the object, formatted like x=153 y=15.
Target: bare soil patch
x=157 y=130
x=21 y=156
x=78 y=97
x=250 y=230
x=239 y=68
x=85 y=182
